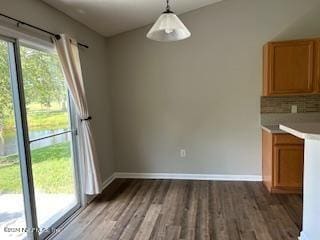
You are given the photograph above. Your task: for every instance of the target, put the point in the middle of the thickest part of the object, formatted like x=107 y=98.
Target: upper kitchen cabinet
x=291 y=67
x=317 y=65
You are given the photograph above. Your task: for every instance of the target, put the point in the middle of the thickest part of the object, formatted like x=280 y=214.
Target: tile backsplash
x=305 y=104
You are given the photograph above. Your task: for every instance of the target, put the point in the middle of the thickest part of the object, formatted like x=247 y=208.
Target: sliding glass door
x=50 y=135
x=46 y=132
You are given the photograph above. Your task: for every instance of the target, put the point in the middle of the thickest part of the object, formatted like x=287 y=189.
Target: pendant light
x=168 y=28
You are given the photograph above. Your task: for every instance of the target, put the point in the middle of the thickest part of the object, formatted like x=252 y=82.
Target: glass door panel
x=45 y=93
x=12 y=212
x=50 y=134
x=53 y=176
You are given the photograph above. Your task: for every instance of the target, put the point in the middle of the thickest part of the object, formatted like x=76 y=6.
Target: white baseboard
x=108 y=181
x=182 y=176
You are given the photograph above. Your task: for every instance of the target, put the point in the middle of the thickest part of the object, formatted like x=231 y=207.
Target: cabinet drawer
x=286 y=139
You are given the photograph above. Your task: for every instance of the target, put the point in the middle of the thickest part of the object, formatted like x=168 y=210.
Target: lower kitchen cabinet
x=282 y=162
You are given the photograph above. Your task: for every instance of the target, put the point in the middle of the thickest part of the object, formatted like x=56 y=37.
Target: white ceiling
x=110 y=17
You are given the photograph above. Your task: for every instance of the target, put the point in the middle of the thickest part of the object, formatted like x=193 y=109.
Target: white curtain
x=67 y=49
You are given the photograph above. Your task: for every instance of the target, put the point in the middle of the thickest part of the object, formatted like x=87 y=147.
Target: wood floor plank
x=218 y=229
x=202 y=224
x=168 y=210
x=161 y=192
x=256 y=218
x=229 y=208
x=108 y=214
x=96 y=211
x=172 y=233
x=265 y=203
x=188 y=231
x=129 y=211
x=188 y=210
x=134 y=223
x=243 y=220
x=148 y=223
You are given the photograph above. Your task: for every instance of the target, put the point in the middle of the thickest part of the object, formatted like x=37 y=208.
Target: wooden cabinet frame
x=292 y=178
x=281 y=174
x=317 y=66
x=310 y=73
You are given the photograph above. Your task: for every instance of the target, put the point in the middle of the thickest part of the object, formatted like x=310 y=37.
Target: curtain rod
x=37 y=28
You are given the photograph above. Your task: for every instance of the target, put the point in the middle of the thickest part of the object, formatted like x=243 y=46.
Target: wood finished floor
x=177 y=209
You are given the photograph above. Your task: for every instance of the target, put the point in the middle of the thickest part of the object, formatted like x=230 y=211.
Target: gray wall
x=201 y=94
x=93 y=66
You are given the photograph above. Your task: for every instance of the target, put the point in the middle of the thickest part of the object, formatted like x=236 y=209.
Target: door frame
x=22 y=136
x=23 y=141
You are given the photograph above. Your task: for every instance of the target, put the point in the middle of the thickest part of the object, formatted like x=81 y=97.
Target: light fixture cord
x=168 y=6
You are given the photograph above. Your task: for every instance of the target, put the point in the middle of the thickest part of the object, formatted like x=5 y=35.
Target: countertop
x=307 y=130
x=272 y=128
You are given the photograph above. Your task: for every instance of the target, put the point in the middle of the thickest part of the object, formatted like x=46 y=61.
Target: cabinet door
x=288 y=166
x=290 y=67
x=317 y=66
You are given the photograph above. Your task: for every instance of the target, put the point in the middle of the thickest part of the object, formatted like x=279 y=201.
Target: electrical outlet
x=183 y=153
x=294 y=108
